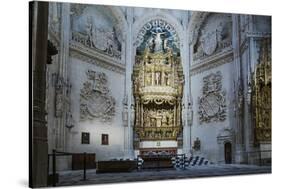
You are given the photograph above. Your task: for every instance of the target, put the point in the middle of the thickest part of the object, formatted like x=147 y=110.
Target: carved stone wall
x=105 y=42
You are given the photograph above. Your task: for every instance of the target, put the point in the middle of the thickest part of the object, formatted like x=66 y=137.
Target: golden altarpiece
x=261 y=95
x=158 y=87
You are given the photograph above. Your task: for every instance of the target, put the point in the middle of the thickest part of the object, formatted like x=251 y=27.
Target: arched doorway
x=227 y=153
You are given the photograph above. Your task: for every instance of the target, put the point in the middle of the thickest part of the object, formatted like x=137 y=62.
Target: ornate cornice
x=226 y=56
x=93 y=57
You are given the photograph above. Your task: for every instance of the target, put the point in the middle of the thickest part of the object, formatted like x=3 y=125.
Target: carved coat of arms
x=95 y=98
x=212 y=105
x=209 y=41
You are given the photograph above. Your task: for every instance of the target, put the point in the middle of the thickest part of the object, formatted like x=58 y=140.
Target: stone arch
x=159 y=15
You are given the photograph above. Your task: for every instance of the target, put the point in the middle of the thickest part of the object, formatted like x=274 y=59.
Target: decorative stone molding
x=93 y=57
x=95 y=99
x=216 y=60
x=212 y=105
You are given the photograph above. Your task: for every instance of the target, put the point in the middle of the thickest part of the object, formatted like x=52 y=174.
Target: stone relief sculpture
x=212 y=104
x=214 y=35
x=95 y=99
x=99 y=38
x=157 y=36
x=209 y=41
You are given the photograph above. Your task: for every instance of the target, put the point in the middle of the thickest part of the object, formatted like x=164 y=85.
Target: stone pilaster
x=238 y=99
x=186 y=112
x=61 y=130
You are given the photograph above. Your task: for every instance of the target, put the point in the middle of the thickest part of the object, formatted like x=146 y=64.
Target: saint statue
x=157 y=78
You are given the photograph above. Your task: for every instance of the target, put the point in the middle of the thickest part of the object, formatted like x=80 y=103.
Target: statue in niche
x=166 y=79
x=164 y=120
x=89 y=29
x=146 y=119
x=59 y=98
x=157 y=78
x=158 y=41
x=153 y=122
x=170 y=118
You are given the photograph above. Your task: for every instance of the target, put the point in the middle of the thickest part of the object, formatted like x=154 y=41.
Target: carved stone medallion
x=212 y=105
x=95 y=99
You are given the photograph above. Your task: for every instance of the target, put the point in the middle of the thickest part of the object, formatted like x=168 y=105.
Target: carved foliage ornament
x=95 y=99
x=212 y=105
